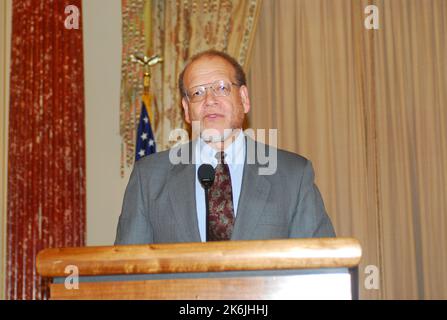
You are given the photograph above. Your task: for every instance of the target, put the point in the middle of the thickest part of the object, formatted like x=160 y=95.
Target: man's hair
x=238 y=70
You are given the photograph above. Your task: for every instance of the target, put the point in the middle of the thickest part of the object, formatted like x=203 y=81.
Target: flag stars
x=145 y=144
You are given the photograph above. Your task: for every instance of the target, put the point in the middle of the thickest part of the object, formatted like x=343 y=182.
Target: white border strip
x=5 y=39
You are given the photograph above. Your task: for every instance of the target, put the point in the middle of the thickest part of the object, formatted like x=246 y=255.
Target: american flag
x=145 y=137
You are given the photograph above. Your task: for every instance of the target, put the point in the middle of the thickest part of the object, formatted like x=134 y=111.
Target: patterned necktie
x=221 y=219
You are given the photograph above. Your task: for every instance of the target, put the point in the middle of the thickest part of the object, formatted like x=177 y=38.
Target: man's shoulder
x=289 y=156
x=157 y=159
x=167 y=158
x=285 y=158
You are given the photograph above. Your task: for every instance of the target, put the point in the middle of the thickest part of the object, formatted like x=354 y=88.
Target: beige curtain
x=368 y=107
x=410 y=77
x=182 y=28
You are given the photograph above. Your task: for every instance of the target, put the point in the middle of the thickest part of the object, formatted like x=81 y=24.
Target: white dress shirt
x=235 y=158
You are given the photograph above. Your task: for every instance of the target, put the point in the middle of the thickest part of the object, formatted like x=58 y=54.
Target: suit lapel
x=254 y=194
x=182 y=195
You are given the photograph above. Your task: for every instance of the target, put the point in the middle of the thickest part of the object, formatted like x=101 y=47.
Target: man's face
x=215 y=112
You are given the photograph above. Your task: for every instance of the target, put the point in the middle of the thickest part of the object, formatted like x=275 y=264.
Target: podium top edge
x=202 y=257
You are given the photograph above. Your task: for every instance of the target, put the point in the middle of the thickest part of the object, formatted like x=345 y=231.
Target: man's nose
x=210 y=98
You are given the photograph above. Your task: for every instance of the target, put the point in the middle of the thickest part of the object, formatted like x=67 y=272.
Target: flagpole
x=145 y=140
x=147 y=62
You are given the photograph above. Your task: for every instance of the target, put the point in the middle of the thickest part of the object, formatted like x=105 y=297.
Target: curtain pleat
x=411 y=85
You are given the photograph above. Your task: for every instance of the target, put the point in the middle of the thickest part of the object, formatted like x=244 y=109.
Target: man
x=165 y=202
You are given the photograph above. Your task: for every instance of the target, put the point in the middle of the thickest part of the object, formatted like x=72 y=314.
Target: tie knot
x=220 y=156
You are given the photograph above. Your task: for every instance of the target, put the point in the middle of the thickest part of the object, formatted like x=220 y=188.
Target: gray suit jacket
x=160 y=204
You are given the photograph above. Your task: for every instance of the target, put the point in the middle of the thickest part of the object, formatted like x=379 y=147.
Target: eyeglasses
x=220 y=88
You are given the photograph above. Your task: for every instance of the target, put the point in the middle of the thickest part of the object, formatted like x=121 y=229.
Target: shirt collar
x=234 y=153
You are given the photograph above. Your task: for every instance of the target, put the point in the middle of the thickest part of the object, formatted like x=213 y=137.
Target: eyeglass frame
x=208 y=86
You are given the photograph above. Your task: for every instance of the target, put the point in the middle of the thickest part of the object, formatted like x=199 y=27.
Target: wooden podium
x=323 y=268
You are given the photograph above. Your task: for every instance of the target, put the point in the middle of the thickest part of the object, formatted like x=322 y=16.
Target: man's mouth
x=213 y=116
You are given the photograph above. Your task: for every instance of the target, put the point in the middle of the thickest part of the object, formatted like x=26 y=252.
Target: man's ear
x=245 y=99
x=185 y=106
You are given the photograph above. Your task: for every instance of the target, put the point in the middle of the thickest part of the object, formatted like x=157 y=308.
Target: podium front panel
x=331 y=283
